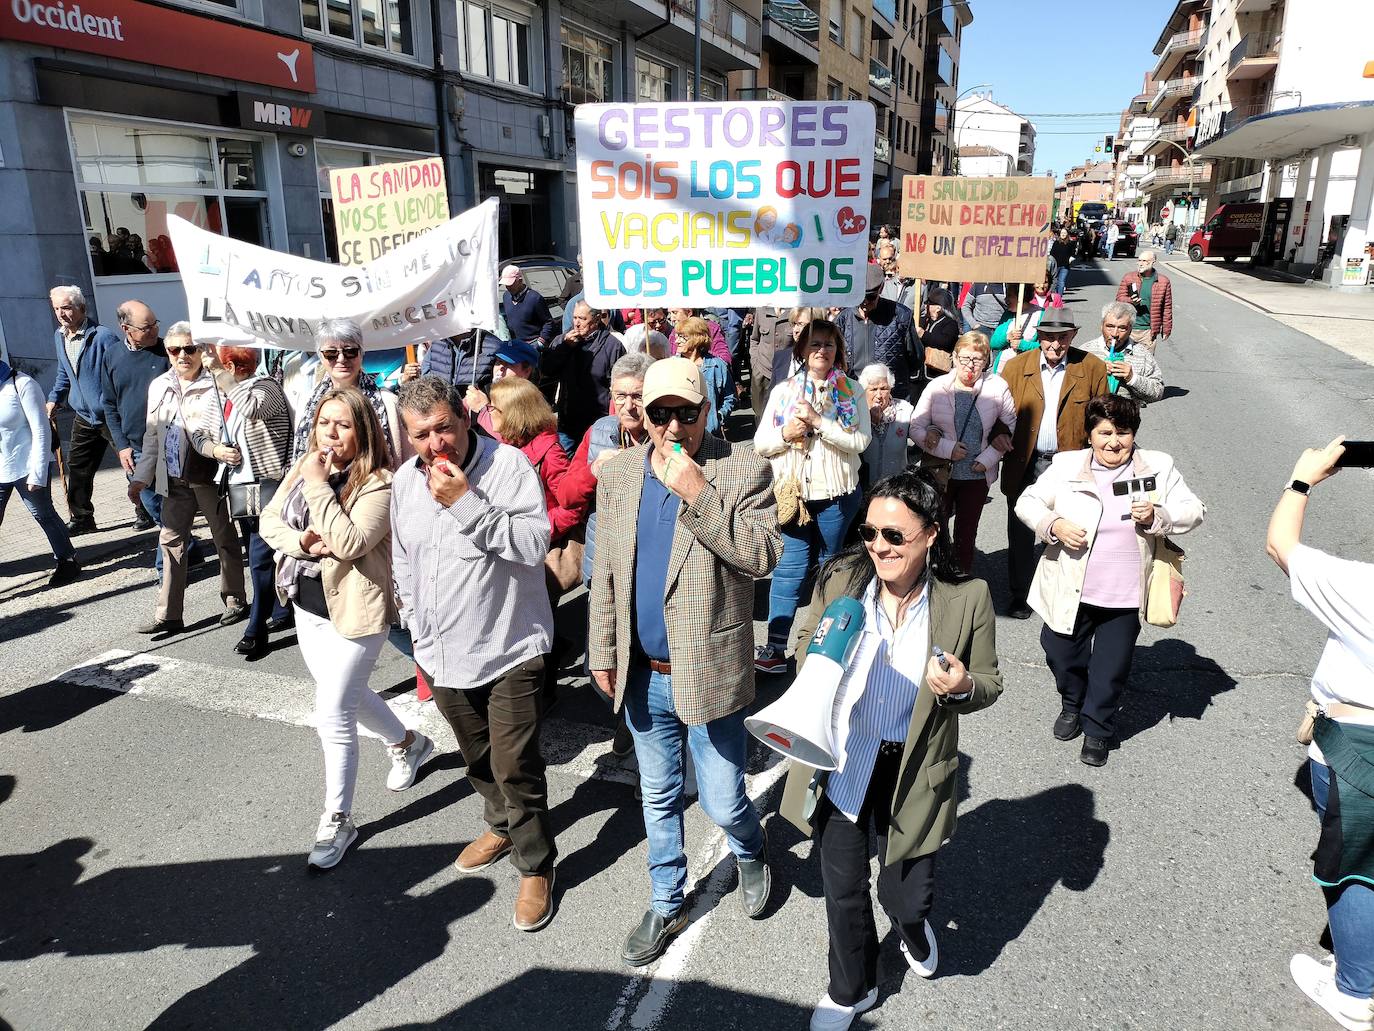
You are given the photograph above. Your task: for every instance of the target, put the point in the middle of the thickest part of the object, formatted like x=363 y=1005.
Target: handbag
x=941 y=361
x=790 y=495
x=563 y=563
x=248 y=499
x=1164 y=592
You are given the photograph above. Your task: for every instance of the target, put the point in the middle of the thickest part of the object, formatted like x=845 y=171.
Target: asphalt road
x=152 y=837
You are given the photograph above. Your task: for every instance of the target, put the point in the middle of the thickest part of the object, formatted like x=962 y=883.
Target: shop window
x=494 y=43
x=379 y=24
x=131 y=177
x=329 y=157
x=587 y=64
x=654 y=81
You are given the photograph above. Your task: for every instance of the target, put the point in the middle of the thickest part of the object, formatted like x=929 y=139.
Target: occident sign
x=136 y=31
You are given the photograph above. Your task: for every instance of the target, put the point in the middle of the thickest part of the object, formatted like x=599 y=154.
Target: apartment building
x=980 y=121
x=944 y=29
x=1091 y=181
x=1172 y=175
x=108 y=131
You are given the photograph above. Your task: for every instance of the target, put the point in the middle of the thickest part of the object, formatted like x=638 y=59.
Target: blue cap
x=517 y=352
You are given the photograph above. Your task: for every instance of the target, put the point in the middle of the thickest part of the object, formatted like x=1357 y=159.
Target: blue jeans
x=720 y=750
x=39 y=504
x=1061 y=279
x=1349 y=912
x=804 y=550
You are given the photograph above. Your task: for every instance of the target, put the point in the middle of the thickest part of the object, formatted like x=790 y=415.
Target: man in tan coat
x=685 y=523
x=1055 y=377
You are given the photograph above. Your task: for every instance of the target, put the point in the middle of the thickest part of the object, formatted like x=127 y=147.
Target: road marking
x=660 y=981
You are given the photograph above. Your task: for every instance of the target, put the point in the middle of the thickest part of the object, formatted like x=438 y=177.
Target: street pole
x=696 y=50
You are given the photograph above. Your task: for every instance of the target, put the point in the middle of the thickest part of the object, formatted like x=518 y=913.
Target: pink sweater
x=936 y=408
x=1112 y=577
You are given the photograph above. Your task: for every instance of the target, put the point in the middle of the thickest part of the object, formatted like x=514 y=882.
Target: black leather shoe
x=1022 y=611
x=1094 y=751
x=67 y=571
x=161 y=626
x=235 y=615
x=251 y=647
x=77 y=527
x=143 y=521
x=1067 y=727
x=651 y=937
x=755 y=883
x=276 y=626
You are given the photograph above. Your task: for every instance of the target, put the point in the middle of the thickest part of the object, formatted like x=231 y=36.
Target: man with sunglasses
x=878 y=329
x=1054 y=378
x=686 y=522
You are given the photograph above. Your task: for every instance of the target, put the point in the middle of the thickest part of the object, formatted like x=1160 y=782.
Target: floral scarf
x=837 y=393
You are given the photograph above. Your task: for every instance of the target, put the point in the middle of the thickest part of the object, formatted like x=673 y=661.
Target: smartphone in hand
x=1359 y=454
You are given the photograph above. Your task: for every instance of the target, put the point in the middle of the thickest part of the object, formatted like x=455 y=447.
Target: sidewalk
x=1343 y=320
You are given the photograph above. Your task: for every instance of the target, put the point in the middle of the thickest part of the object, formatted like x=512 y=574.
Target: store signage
x=975 y=229
x=379 y=207
x=272 y=115
x=734 y=203
x=136 y=31
x=438 y=285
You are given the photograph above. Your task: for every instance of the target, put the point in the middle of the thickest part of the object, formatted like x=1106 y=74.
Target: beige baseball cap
x=674 y=377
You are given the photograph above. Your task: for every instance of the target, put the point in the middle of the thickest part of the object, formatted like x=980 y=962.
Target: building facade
x=982 y=122
x=944 y=29
x=230 y=113
x=980 y=161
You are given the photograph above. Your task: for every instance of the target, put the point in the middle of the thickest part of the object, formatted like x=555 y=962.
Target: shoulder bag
x=248 y=499
x=942 y=469
x=1164 y=591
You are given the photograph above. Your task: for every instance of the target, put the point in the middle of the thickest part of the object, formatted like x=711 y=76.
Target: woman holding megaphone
x=928 y=654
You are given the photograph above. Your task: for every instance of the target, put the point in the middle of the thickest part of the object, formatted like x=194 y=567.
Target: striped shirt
x=470 y=577
x=883 y=711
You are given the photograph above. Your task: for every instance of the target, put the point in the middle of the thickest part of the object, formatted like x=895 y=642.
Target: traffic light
x=1107 y=142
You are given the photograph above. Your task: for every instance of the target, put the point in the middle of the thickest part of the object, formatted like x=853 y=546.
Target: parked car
x=1230 y=233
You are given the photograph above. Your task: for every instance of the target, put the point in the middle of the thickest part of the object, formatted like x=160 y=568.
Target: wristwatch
x=1299 y=487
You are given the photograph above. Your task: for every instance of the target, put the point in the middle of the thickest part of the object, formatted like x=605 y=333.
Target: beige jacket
x=1069 y=491
x=168 y=395
x=357 y=578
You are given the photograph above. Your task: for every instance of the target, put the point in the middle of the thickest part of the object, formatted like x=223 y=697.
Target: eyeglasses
x=820 y=345
x=971 y=361
x=174 y=351
x=349 y=353
x=687 y=415
x=140 y=329
x=624 y=399
x=868 y=533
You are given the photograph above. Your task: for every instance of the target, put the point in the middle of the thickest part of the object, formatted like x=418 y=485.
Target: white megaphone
x=798 y=723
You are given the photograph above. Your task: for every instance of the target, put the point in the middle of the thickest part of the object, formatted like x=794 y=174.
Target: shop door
x=525 y=222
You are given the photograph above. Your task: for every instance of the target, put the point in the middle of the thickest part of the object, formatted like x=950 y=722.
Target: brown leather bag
x=563 y=563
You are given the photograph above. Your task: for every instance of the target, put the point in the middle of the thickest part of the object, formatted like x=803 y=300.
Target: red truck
x=1230 y=233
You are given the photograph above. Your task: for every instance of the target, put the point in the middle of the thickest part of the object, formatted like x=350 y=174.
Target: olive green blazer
x=923 y=806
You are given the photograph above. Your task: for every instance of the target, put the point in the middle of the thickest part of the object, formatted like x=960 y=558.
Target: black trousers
x=497 y=727
x=1021 y=538
x=906 y=889
x=1092 y=665
x=85 y=452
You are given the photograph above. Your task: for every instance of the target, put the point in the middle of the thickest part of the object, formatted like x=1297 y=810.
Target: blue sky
x=1019 y=47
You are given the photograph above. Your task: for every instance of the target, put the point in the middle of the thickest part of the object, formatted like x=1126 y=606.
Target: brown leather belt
x=666 y=668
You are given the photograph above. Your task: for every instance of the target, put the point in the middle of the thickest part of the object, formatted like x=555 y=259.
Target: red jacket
x=550 y=461
x=1161 y=301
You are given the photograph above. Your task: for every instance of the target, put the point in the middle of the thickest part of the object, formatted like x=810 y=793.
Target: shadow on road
x=306 y=971
x=44 y=706
x=1169 y=679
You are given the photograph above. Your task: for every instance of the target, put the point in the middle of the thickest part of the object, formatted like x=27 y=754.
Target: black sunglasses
x=332 y=355
x=687 y=415
x=174 y=350
x=868 y=533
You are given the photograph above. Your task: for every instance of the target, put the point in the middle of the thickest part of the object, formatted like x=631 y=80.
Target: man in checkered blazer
x=685 y=524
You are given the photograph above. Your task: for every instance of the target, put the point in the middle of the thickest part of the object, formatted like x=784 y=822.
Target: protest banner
x=975 y=230
x=437 y=285
x=740 y=204
x=379 y=207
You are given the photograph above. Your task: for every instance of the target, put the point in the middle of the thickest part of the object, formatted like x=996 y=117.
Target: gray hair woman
x=340 y=345
x=889 y=450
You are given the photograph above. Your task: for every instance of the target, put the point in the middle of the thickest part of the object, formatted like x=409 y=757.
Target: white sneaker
x=406 y=762
x=336 y=832
x=829 y=1015
x=926 y=967
x=1318 y=982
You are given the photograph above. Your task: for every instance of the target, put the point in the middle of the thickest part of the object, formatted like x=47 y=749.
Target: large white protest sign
x=437 y=285
x=734 y=204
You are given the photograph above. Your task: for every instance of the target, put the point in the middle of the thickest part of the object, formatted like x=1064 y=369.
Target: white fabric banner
x=437 y=285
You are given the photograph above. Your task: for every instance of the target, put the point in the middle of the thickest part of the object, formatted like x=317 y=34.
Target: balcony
x=1179 y=47
x=1178 y=175
x=885 y=24
x=724 y=19
x=1254 y=57
x=1173 y=89
x=1254 y=6
x=879 y=81
x=1161 y=139
x=882 y=149
x=795 y=27
x=762 y=93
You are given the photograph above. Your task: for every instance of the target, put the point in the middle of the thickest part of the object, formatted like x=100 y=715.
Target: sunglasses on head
x=332 y=355
x=174 y=350
x=868 y=533
x=687 y=415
